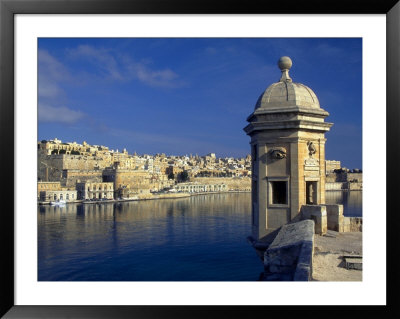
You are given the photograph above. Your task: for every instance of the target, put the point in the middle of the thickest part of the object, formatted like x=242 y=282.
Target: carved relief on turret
x=311 y=164
x=311 y=148
x=278 y=152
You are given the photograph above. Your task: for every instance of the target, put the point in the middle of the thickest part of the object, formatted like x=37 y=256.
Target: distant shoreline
x=153 y=197
x=172 y=196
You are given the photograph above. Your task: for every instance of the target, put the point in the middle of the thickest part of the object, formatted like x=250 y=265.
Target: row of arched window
x=67 y=197
x=104 y=188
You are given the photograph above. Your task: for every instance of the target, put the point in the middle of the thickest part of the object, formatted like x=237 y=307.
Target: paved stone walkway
x=328 y=264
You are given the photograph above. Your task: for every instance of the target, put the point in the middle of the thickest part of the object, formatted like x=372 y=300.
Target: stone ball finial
x=285 y=63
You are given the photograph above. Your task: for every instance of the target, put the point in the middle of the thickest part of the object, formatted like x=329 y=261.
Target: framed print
x=51 y=48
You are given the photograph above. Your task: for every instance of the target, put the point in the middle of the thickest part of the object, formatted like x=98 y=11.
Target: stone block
x=335 y=217
x=353 y=262
x=318 y=214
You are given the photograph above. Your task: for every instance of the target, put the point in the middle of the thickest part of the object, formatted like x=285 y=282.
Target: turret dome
x=286 y=93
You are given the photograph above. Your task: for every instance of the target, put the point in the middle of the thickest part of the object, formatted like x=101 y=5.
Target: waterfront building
x=287 y=132
x=200 y=188
x=72 y=163
x=47 y=186
x=63 y=194
x=92 y=190
x=127 y=182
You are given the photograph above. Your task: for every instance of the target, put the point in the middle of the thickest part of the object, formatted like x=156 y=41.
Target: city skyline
x=190 y=96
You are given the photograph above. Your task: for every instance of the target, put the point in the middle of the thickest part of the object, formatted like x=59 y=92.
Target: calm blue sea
x=199 y=238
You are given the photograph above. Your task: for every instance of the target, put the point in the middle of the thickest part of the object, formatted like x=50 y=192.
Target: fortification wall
x=83 y=162
x=344 y=177
x=334 y=186
x=71 y=177
x=233 y=183
x=355 y=186
x=50 y=167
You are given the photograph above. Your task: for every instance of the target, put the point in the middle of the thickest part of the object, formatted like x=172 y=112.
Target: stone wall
x=337 y=186
x=50 y=167
x=355 y=177
x=354 y=186
x=334 y=186
x=71 y=177
x=343 y=177
x=83 y=162
x=233 y=183
x=289 y=257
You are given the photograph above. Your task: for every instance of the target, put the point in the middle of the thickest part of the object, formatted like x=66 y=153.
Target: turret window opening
x=279 y=192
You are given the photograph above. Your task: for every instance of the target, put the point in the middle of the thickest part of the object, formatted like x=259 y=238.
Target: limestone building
x=127 y=183
x=287 y=131
x=47 y=186
x=200 y=188
x=63 y=194
x=89 y=190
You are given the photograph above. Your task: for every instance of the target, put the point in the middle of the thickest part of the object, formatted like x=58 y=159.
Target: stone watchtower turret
x=287 y=131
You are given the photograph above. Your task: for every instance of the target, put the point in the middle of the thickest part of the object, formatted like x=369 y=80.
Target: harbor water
x=198 y=238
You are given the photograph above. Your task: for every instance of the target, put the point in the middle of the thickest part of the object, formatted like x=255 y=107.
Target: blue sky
x=190 y=96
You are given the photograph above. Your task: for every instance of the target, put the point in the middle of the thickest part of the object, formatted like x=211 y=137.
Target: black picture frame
x=8 y=8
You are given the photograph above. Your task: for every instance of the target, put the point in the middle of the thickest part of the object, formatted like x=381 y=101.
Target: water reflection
x=196 y=238
x=351 y=201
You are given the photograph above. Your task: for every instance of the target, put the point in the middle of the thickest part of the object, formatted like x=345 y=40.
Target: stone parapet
x=304 y=263
x=352 y=224
x=330 y=217
x=289 y=257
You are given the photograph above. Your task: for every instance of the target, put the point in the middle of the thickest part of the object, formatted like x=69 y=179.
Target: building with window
x=200 y=188
x=47 y=186
x=93 y=190
x=50 y=196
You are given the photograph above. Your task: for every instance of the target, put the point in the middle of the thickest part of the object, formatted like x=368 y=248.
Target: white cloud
x=47 y=88
x=102 y=58
x=51 y=67
x=60 y=114
x=124 y=68
x=51 y=72
x=162 y=78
